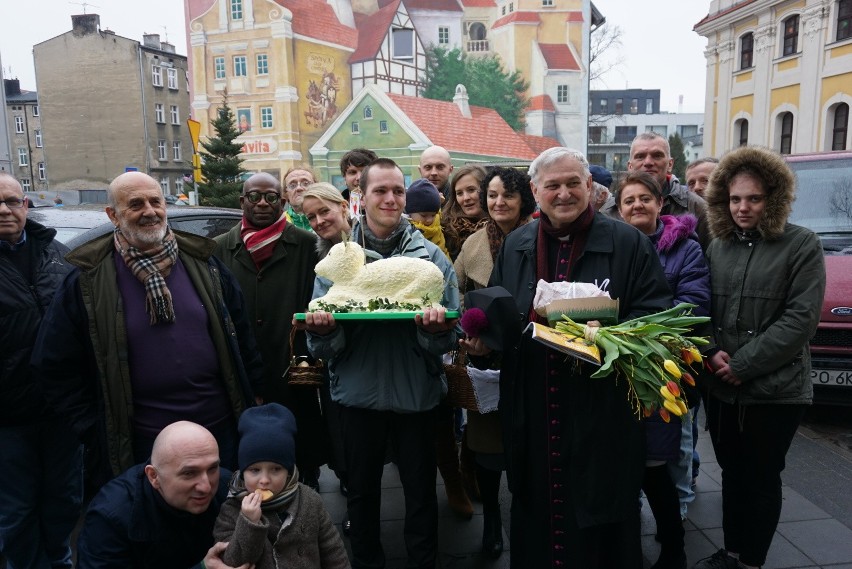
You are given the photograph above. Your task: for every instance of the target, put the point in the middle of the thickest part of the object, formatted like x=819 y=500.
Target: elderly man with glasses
x=296 y=182
x=274 y=261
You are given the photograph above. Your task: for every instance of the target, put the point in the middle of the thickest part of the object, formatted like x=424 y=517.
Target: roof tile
x=522 y=17
x=485 y=133
x=558 y=56
x=316 y=19
x=539 y=144
x=439 y=5
x=372 y=30
x=541 y=103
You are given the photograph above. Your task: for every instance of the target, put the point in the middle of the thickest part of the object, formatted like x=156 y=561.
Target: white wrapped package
x=547 y=293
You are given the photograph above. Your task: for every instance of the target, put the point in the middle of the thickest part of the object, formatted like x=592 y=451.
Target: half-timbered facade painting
x=390 y=53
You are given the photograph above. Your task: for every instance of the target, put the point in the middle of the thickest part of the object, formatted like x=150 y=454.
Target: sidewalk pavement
x=807 y=537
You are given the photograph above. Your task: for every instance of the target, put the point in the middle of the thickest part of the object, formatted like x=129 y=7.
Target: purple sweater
x=174 y=369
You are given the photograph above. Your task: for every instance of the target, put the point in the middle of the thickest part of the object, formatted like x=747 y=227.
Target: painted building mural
x=290 y=67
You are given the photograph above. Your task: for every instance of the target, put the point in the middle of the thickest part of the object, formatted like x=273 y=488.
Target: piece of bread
x=264 y=494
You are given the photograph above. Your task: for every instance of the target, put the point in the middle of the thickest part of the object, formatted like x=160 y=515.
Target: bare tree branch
x=605 y=51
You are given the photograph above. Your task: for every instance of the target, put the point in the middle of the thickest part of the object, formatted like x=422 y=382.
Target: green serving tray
x=405 y=315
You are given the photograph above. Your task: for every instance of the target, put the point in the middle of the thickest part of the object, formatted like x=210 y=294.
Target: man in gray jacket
x=386 y=376
x=650 y=152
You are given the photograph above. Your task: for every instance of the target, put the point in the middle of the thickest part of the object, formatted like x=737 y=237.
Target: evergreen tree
x=677 y=152
x=487 y=83
x=221 y=165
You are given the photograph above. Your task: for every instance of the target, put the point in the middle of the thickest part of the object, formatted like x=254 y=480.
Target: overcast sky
x=660 y=49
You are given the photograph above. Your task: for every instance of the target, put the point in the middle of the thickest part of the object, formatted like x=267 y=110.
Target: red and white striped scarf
x=260 y=243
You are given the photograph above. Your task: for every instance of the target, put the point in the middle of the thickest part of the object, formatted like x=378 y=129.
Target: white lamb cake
x=398 y=279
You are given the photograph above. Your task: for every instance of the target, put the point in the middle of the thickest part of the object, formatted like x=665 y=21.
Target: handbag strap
x=292 y=338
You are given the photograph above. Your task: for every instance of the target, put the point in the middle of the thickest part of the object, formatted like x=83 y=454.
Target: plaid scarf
x=151 y=268
x=260 y=243
x=237 y=489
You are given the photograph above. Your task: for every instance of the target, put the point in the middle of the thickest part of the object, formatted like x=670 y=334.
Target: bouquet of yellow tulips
x=653 y=353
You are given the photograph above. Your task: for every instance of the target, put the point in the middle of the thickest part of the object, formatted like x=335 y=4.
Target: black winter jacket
x=22 y=305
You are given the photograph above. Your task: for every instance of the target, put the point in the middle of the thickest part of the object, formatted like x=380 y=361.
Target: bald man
x=160 y=513
x=436 y=166
x=148 y=329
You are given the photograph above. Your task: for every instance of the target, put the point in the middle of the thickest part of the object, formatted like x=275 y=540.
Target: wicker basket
x=459 y=387
x=301 y=372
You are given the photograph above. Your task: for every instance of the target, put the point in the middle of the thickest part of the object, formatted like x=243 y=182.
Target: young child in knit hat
x=423 y=207
x=270 y=519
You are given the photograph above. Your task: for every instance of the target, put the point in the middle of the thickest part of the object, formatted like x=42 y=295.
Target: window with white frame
x=840 y=127
x=161 y=150
x=35 y=110
x=262 y=64
x=791 y=36
x=266 y=117
x=159 y=113
x=742 y=132
x=164 y=184
x=38 y=140
x=546 y=3
x=746 y=50
x=176 y=154
x=175 y=114
x=403 y=43
x=649 y=106
x=511 y=7
x=25 y=184
x=844 y=19
x=383 y=127
x=356 y=128
x=178 y=185
x=368 y=112
x=156 y=75
x=171 y=76
x=42 y=173
x=786 y=120
x=219 y=67
x=236 y=9
x=240 y=66
x=23 y=157
x=19 y=125
x=443 y=35
x=562 y=94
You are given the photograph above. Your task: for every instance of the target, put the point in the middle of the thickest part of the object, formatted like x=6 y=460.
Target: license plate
x=841 y=378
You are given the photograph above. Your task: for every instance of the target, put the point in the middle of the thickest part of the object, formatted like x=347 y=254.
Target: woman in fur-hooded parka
x=767 y=284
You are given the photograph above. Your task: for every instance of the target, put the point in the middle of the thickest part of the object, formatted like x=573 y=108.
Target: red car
x=824 y=205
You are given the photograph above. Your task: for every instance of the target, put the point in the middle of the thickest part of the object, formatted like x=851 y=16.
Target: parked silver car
x=77 y=224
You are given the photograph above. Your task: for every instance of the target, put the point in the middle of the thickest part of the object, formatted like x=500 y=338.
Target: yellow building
x=779 y=74
x=284 y=71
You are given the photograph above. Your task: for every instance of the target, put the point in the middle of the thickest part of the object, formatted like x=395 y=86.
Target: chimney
x=151 y=40
x=12 y=86
x=167 y=47
x=680 y=104
x=460 y=99
x=343 y=11
x=85 y=24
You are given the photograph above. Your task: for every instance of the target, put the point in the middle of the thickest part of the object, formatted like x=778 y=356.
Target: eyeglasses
x=300 y=184
x=254 y=197
x=13 y=203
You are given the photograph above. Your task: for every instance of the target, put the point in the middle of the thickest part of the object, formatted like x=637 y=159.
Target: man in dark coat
x=41 y=471
x=160 y=513
x=575 y=447
x=273 y=260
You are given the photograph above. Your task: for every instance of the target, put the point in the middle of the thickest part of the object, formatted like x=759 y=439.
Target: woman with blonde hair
x=328 y=213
